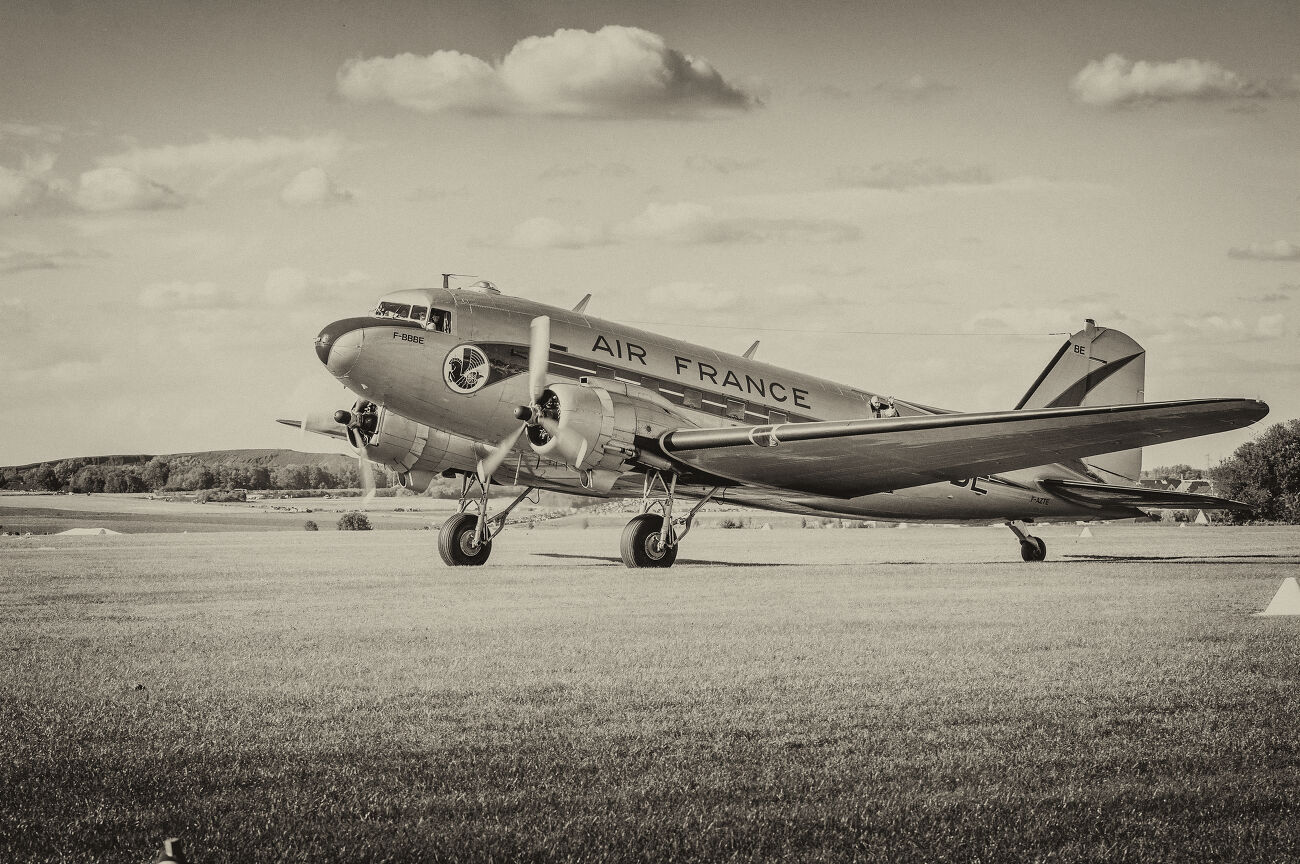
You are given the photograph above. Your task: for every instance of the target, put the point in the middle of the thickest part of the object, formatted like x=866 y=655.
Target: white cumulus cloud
x=613 y=72
x=106 y=189
x=313 y=187
x=1118 y=82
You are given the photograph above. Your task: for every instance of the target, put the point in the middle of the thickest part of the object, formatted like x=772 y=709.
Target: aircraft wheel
x=456 y=542
x=640 y=546
x=1033 y=548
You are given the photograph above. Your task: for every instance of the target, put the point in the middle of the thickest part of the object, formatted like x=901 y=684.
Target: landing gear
x=459 y=544
x=651 y=539
x=1031 y=548
x=465 y=540
x=642 y=545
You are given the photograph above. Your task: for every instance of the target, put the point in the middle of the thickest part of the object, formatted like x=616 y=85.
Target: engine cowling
x=418 y=453
x=594 y=430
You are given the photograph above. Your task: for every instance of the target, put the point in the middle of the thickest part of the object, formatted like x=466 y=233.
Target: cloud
x=181 y=295
x=1271 y=326
x=912 y=175
x=17 y=260
x=687 y=222
x=720 y=164
x=313 y=188
x=614 y=72
x=917 y=88
x=1278 y=250
x=696 y=296
x=1041 y=320
x=1117 y=82
x=542 y=232
x=20 y=190
x=203 y=166
x=287 y=286
x=46 y=133
x=106 y=189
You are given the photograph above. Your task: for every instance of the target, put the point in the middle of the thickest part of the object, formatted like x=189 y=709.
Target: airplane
x=495 y=389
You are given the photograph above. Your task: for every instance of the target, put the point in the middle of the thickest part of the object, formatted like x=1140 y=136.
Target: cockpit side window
x=417 y=313
x=440 y=320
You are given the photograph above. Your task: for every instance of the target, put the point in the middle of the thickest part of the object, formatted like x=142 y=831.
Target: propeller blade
x=367 y=472
x=488 y=465
x=539 y=356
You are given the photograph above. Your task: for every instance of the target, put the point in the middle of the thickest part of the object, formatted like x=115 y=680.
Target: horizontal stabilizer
x=1106 y=495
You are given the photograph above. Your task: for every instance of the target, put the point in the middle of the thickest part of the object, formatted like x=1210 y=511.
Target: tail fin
x=1096 y=366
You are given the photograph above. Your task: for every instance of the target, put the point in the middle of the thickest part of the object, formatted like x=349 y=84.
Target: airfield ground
x=879 y=695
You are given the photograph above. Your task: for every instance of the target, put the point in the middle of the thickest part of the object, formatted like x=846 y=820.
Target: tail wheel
x=1033 y=548
x=641 y=546
x=457 y=542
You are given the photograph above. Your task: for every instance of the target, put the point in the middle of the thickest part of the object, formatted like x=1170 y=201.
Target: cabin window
x=735 y=409
x=692 y=398
x=440 y=320
x=775 y=416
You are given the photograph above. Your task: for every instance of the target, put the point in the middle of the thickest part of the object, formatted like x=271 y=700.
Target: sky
x=918 y=198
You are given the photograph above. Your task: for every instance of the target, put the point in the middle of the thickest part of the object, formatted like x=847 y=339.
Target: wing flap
x=848 y=458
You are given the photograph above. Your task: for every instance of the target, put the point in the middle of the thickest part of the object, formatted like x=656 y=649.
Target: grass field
x=887 y=695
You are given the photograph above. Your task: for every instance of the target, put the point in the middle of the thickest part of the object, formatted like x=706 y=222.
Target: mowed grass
x=345 y=697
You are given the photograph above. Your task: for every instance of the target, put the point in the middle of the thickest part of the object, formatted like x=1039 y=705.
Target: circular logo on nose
x=466 y=369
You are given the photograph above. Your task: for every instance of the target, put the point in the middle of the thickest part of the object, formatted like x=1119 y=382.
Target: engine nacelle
x=417 y=452
x=595 y=430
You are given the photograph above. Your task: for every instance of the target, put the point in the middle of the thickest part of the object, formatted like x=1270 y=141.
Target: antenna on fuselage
x=749 y=355
x=582 y=304
x=447 y=277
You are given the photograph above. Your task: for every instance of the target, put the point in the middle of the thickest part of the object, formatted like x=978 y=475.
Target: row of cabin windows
x=688 y=397
x=438 y=319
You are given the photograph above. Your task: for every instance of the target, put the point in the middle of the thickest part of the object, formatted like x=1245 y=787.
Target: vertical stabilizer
x=1096 y=366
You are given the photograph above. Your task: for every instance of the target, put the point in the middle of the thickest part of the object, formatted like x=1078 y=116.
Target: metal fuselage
x=404 y=366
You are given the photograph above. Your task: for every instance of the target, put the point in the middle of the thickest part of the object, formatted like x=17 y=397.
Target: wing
x=1106 y=495
x=848 y=458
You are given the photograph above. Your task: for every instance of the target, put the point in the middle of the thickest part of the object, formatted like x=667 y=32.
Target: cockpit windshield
x=393 y=310
x=432 y=318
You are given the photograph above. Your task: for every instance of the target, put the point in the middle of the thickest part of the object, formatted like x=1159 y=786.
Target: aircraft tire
x=1033 y=548
x=640 y=545
x=456 y=542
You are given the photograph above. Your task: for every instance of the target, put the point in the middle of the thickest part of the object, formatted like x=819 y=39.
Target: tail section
x=1097 y=366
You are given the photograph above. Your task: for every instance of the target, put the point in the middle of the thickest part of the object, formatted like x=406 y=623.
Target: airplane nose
x=338 y=347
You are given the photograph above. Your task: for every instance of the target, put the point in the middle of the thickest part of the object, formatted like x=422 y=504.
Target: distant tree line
x=1265 y=473
x=176 y=474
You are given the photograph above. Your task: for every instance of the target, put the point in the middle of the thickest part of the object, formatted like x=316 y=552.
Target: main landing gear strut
x=651 y=539
x=1031 y=548
x=466 y=538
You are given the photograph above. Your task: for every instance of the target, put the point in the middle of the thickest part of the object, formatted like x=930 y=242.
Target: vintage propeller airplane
x=583 y=405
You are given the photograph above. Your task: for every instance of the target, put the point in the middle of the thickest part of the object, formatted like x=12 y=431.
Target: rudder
x=1096 y=366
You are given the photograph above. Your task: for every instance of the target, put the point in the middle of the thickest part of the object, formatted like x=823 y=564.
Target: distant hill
x=268 y=458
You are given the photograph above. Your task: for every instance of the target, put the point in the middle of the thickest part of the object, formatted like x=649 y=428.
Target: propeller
x=533 y=414
x=360 y=425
